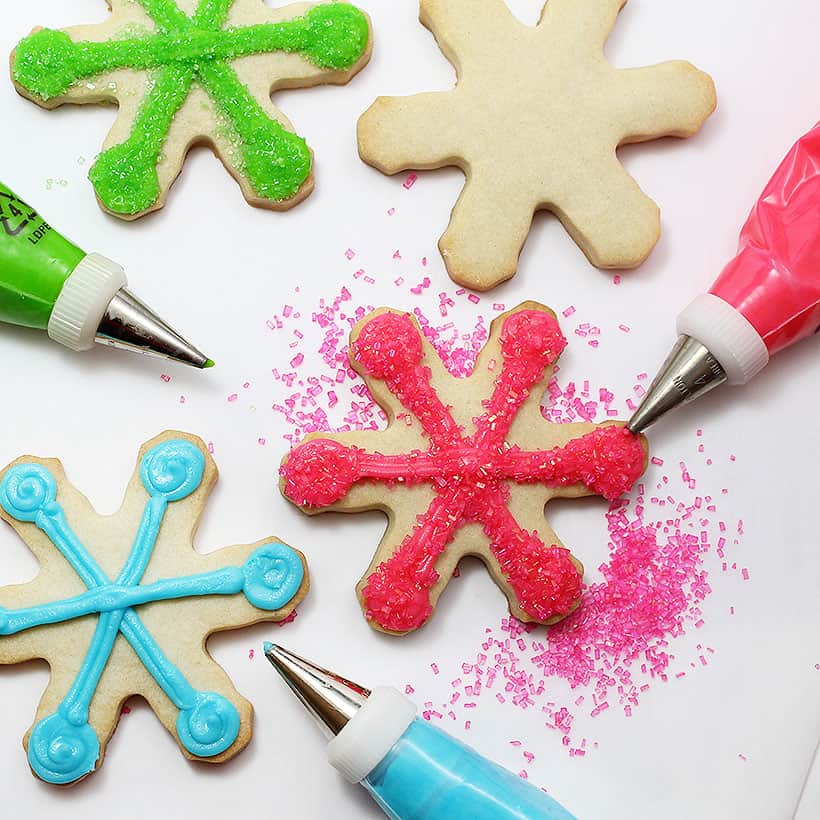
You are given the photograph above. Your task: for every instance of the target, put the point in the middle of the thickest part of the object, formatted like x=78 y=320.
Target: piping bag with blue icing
x=48 y=283
x=413 y=770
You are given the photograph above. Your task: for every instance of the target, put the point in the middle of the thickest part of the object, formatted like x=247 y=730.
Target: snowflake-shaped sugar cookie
x=464 y=467
x=123 y=605
x=185 y=72
x=534 y=122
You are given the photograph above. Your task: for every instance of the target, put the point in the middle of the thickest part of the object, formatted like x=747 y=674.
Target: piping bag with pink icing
x=766 y=298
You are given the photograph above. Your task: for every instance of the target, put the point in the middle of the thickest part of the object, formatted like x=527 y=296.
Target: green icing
x=183 y=51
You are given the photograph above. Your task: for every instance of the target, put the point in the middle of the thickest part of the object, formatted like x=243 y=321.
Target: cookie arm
x=399 y=133
x=463 y=27
x=487 y=231
x=611 y=219
x=591 y=21
x=669 y=99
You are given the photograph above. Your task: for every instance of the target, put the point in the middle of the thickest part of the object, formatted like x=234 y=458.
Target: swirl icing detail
x=63 y=746
x=471 y=474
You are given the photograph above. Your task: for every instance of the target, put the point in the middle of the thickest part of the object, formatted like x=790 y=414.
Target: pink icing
x=470 y=474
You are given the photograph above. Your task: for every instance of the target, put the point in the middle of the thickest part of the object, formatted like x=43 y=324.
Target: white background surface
x=219 y=269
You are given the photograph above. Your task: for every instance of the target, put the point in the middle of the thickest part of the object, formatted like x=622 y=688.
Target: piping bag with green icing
x=78 y=298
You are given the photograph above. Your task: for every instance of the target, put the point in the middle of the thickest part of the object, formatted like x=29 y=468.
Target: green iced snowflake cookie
x=185 y=72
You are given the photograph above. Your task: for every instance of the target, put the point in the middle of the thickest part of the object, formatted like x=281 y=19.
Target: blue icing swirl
x=26 y=491
x=210 y=726
x=173 y=469
x=60 y=752
x=273 y=575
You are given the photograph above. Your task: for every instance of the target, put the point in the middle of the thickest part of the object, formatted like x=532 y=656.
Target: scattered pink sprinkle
x=211 y=447
x=616 y=279
x=396 y=255
x=289 y=620
x=391 y=211
x=233 y=397
x=261 y=442
x=658 y=462
x=350 y=253
x=182 y=399
x=434 y=667
x=624 y=328
x=251 y=653
x=742 y=756
x=410 y=181
x=165 y=377
x=567 y=312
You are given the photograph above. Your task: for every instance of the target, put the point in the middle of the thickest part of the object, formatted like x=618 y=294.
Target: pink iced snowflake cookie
x=464 y=467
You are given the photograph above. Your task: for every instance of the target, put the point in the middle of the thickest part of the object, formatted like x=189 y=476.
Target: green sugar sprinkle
x=184 y=51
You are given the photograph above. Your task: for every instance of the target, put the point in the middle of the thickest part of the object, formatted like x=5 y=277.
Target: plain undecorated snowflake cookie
x=464 y=467
x=534 y=122
x=123 y=605
x=188 y=72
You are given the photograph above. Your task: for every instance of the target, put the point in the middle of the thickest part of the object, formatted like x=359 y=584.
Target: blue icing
x=430 y=774
x=63 y=747
x=61 y=752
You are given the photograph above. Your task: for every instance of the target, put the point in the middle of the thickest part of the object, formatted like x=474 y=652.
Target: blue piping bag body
x=429 y=775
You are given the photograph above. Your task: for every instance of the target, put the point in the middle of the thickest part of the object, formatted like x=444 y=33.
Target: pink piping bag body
x=774 y=281
x=765 y=299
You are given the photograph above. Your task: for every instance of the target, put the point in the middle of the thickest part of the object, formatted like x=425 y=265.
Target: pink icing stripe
x=606 y=460
x=389 y=348
x=469 y=473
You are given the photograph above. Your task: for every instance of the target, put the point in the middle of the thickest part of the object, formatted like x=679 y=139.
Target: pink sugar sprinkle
x=745 y=573
x=211 y=447
x=182 y=399
x=567 y=312
x=289 y=620
x=616 y=279
x=434 y=667
x=297 y=360
x=409 y=181
x=261 y=442
x=350 y=253
x=233 y=397
x=396 y=255
x=742 y=756
x=408 y=690
x=391 y=211
x=657 y=461
x=624 y=328
x=474 y=298
x=126 y=710
x=251 y=653
x=165 y=377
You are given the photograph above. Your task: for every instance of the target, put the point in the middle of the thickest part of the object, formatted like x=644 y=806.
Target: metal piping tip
x=689 y=371
x=129 y=324
x=332 y=700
